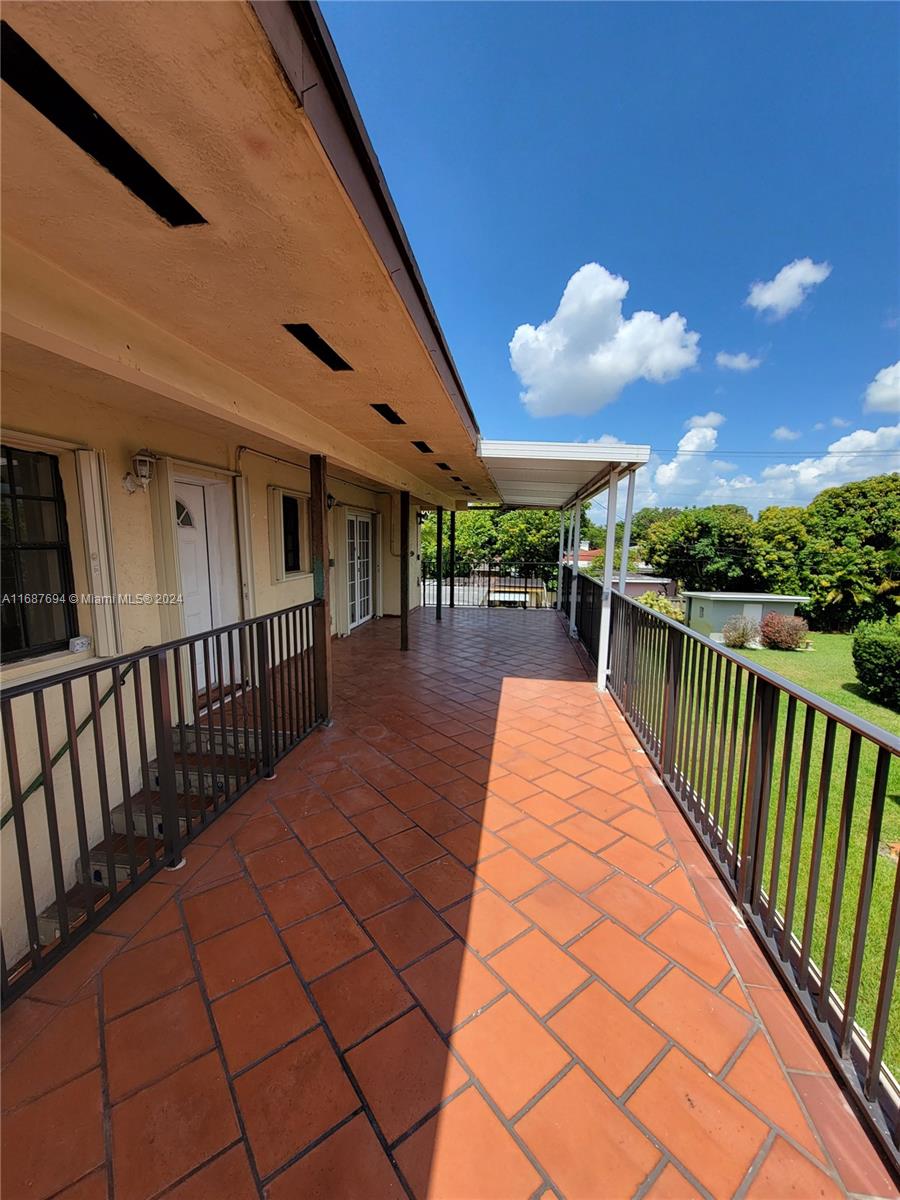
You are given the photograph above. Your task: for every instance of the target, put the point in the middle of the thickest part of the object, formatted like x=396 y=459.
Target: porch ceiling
x=197 y=91
x=556 y=474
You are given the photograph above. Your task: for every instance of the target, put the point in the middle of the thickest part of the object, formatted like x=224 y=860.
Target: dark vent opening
x=456 y=478
x=46 y=90
x=423 y=447
x=443 y=466
x=389 y=414
x=315 y=344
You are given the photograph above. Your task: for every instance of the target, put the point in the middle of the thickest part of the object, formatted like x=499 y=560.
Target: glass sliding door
x=359 y=568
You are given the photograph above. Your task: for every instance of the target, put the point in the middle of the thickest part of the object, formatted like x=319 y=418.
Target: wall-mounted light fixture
x=143 y=466
x=421 y=517
x=329 y=502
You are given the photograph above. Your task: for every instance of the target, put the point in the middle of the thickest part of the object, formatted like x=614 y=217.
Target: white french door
x=359 y=568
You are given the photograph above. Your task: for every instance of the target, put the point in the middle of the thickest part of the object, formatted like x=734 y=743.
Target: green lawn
x=828 y=671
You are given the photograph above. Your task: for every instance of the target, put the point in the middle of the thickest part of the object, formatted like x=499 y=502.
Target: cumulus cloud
x=702 y=478
x=883 y=393
x=737 y=362
x=784 y=434
x=582 y=357
x=819 y=425
x=710 y=420
x=779 y=296
x=841 y=422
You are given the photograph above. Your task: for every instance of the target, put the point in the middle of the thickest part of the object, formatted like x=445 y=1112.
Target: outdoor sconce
x=329 y=502
x=421 y=517
x=143 y=465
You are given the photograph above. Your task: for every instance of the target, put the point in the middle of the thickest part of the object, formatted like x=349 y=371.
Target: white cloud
x=711 y=420
x=787 y=291
x=840 y=423
x=737 y=362
x=883 y=393
x=783 y=434
x=580 y=360
x=694 y=477
x=819 y=425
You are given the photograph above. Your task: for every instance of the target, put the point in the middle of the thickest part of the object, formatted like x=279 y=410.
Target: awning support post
x=404 y=570
x=606 y=602
x=438 y=604
x=321 y=558
x=576 y=543
x=452 y=557
x=562 y=552
x=626 y=533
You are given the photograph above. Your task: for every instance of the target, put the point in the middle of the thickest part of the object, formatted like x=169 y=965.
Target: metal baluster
x=59 y=885
x=885 y=993
x=149 y=822
x=165 y=756
x=21 y=831
x=182 y=734
x=864 y=903
x=815 y=862
x=783 y=785
x=223 y=729
x=102 y=784
x=265 y=700
x=124 y=773
x=797 y=836
x=210 y=757
x=840 y=870
x=84 y=851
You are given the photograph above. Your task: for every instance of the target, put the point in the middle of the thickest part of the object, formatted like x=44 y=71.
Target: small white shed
x=707 y=612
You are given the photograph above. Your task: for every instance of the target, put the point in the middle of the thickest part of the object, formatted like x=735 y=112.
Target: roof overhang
x=556 y=474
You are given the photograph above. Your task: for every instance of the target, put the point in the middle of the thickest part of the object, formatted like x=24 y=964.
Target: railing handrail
x=28 y=686
x=875 y=733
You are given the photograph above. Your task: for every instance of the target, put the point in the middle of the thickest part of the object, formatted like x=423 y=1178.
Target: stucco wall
x=717 y=612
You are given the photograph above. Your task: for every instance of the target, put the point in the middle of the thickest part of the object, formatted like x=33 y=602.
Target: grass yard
x=828 y=671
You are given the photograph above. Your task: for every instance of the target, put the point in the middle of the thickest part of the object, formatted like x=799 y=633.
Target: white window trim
x=276 y=534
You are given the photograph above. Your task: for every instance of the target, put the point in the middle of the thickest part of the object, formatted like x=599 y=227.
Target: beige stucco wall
x=42 y=408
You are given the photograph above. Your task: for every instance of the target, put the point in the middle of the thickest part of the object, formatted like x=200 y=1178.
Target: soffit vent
x=390 y=415
x=423 y=447
x=316 y=344
x=443 y=466
x=45 y=89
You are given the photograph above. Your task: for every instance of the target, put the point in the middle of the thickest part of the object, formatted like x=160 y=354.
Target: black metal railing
x=787 y=792
x=492 y=585
x=132 y=757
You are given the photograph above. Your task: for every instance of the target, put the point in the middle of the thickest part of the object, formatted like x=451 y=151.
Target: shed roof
x=556 y=474
x=753 y=597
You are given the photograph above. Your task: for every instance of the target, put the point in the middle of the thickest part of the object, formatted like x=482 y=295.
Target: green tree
x=779 y=536
x=476 y=539
x=850 y=563
x=528 y=535
x=705 y=548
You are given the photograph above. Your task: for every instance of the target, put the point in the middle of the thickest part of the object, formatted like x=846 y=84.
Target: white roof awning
x=556 y=474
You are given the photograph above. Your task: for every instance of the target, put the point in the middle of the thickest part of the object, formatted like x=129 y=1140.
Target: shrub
x=739 y=632
x=778 y=631
x=876 y=657
x=662 y=604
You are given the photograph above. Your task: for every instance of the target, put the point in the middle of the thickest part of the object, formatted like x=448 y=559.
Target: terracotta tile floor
x=462 y=947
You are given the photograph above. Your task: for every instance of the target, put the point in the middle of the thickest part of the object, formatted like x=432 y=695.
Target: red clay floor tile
x=292 y=1098
x=143 y=974
x=407 y=931
x=714 y=1135
x=68 y=1046
x=360 y=997
x=381 y=822
x=464 y=1151
x=485 y=921
x=349 y=1163
x=510 y=873
x=151 y=1042
x=410 y=849
x=221 y=908
x=405 y=1071
x=301 y=896
x=759 y=1078
x=618 y=958
x=443 y=882
x=344 y=856
x=536 y=968
x=696 y=1017
x=693 y=944
x=167 y=1129
x=235 y=957
x=575 y=866
x=277 y=862
x=510 y=1052
x=372 y=890
x=785 y=1173
x=630 y=903
x=558 y=912
x=626 y=1046
x=261 y=1016
x=451 y=984
x=54 y=1140
x=326 y=941
x=576 y=1114
x=228 y=1176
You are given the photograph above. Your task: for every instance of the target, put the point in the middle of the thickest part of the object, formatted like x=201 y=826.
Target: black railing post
x=267 y=729
x=674 y=653
x=439 y=597
x=751 y=852
x=165 y=756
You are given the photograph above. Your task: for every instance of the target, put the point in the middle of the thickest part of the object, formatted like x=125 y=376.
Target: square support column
x=562 y=555
x=606 y=602
x=452 y=557
x=439 y=554
x=626 y=534
x=576 y=542
x=404 y=570
x=321 y=562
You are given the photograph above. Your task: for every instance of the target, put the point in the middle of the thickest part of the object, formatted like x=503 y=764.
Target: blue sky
x=691 y=150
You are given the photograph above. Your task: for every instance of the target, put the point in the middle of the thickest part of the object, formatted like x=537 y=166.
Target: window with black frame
x=291 y=524
x=35 y=562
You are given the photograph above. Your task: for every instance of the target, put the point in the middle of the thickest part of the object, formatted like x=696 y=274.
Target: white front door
x=193 y=557
x=359 y=568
